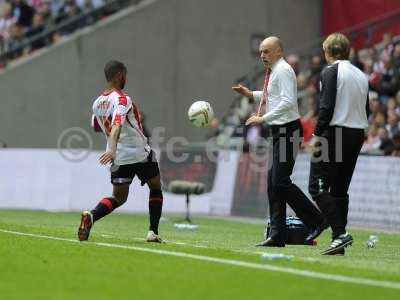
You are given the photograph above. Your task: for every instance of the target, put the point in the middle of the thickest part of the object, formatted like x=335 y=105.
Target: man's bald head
x=273 y=41
x=271 y=50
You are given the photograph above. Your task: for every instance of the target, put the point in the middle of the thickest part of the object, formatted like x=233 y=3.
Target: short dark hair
x=337 y=45
x=112 y=68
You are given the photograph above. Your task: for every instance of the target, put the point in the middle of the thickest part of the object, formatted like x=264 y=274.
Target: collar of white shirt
x=340 y=60
x=273 y=67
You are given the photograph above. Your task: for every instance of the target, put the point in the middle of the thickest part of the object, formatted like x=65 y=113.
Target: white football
x=200 y=114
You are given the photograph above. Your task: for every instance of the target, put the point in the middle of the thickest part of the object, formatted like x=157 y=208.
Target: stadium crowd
x=21 y=20
x=380 y=63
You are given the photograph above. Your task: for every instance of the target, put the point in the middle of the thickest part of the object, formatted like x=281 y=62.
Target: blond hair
x=337 y=46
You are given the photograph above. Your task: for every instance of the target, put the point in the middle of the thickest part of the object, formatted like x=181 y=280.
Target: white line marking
x=239 y=263
x=179 y=243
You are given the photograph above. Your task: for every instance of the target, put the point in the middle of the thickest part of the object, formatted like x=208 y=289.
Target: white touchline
x=167 y=241
x=293 y=271
x=179 y=243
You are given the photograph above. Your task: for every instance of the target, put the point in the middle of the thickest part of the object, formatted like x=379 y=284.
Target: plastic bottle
x=372 y=241
x=185 y=226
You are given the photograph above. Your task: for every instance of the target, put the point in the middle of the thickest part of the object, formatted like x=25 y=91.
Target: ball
x=200 y=114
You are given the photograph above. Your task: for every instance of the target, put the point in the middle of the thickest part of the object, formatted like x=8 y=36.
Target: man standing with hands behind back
x=280 y=97
x=342 y=118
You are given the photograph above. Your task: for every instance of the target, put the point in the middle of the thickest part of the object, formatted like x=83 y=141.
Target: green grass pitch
x=216 y=261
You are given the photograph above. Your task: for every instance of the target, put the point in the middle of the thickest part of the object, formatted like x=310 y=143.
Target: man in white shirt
x=342 y=118
x=280 y=97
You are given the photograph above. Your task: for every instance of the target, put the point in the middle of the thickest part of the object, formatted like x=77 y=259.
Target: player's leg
x=149 y=173
x=155 y=207
x=103 y=208
x=108 y=204
x=121 y=178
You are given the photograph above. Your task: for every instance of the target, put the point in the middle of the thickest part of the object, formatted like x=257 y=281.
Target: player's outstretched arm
x=109 y=155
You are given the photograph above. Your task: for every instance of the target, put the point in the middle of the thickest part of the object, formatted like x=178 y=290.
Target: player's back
x=116 y=107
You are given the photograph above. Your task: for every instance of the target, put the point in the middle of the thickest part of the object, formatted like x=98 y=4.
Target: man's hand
x=315 y=145
x=254 y=120
x=107 y=157
x=112 y=140
x=243 y=91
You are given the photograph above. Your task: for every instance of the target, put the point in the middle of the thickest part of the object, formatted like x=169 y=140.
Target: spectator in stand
x=85 y=7
x=386 y=144
x=372 y=75
x=6 y=20
x=389 y=82
x=316 y=66
x=380 y=119
x=355 y=59
x=294 y=61
x=89 y=3
x=302 y=94
x=386 y=47
x=68 y=11
x=15 y=41
x=22 y=12
x=56 y=7
x=392 y=126
x=372 y=142
x=396 y=56
x=38 y=27
x=45 y=11
x=391 y=104
x=378 y=141
x=35 y=4
x=375 y=106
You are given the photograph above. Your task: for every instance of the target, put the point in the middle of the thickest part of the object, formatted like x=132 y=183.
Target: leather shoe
x=316 y=232
x=270 y=243
x=337 y=246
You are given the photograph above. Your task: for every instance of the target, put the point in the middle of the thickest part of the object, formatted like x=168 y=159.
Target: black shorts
x=124 y=174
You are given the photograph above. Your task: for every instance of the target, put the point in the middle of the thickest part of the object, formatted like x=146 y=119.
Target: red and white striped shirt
x=116 y=107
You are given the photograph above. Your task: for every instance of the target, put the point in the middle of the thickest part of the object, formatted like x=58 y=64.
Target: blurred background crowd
x=28 y=25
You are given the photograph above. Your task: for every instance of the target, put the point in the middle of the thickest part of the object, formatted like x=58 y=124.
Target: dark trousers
x=281 y=190
x=330 y=180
